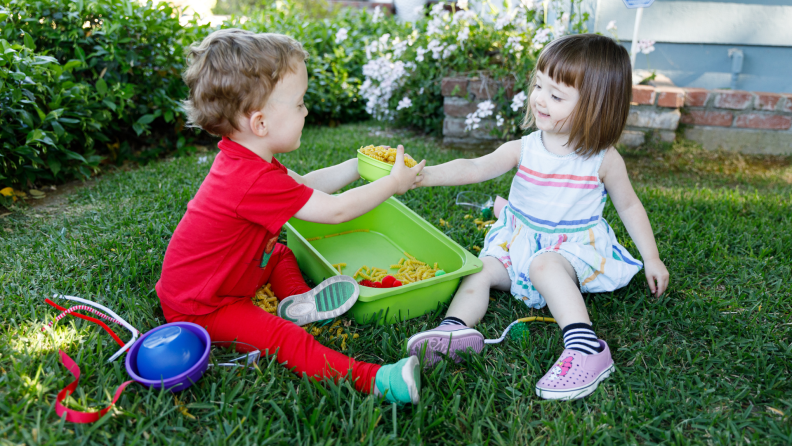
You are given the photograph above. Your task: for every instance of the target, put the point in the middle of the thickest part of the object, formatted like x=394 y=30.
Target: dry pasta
x=266 y=300
x=409 y=270
x=386 y=155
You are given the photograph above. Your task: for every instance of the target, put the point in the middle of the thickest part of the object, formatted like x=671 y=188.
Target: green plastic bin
x=393 y=229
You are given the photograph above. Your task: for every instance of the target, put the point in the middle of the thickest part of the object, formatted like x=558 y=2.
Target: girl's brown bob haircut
x=599 y=68
x=231 y=74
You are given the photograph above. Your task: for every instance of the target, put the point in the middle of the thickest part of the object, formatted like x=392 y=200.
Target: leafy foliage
x=89 y=82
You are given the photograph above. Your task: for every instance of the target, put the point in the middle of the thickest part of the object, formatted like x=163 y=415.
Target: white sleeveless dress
x=555 y=205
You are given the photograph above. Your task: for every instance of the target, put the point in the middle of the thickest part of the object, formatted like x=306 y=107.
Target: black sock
x=453 y=321
x=581 y=337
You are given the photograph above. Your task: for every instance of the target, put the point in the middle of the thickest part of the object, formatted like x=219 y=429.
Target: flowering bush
x=403 y=70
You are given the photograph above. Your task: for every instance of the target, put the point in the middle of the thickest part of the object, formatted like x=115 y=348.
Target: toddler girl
x=550 y=242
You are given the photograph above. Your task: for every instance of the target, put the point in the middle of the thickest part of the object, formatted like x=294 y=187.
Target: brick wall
x=746 y=121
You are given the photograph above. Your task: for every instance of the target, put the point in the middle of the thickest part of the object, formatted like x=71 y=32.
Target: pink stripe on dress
x=557 y=176
x=556 y=184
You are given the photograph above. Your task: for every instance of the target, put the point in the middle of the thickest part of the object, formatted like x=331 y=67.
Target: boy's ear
x=258 y=124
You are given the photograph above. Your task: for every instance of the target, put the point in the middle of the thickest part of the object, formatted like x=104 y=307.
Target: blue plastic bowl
x=173 y=356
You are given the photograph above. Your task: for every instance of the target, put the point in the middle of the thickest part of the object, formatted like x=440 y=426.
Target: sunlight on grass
x=32 y=341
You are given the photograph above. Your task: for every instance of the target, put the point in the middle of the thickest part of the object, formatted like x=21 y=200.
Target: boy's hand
x=656 y=271
x=406 y=178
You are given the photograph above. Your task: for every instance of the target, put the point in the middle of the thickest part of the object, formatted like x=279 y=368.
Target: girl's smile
x=552 y=103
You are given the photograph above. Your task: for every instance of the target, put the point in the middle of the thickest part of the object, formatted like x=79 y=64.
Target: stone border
x=746 y=121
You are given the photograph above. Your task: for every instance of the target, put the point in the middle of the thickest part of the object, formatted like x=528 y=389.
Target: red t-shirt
x=221 y=245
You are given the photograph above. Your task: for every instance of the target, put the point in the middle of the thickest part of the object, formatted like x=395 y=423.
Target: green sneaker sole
x=330 y=299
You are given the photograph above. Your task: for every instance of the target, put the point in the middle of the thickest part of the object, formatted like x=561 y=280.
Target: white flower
x=463 y=16
x=202 y=159
x=420 y=54
x=420 y=92
x=471 y=121
x=449 y=50
x=646 y=46
x=483 y=110
x=437 y=10
x=500 y=120
x=382 y=77
x=463 y=4
x=503 y=21
x=434 y=28
x=463 y=35
x=341 y=35
x=377 y=14
x=518 y=101
x=528 y=4
x=399 y=47
x=513 y=42
x=404 y=103
x=436 y=48
x=541 y=37
x=611 y=26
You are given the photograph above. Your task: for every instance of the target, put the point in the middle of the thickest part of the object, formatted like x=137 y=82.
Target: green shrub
x=109 y=70
x=48 y=122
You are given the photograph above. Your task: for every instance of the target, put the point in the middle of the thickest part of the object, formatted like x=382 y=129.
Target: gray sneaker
x=330 y=299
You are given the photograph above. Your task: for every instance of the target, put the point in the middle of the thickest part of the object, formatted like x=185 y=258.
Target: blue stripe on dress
x=554 y=224
x=625 y=259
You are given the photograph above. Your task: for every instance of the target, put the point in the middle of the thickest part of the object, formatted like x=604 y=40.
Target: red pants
x=296 y=349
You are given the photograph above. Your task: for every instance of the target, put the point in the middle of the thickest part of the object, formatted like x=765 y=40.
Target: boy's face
x=285 y=111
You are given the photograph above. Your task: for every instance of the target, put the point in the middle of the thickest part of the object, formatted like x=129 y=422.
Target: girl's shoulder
x=611 y=161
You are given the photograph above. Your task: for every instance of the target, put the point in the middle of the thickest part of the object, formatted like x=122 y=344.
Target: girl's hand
x=656 y=272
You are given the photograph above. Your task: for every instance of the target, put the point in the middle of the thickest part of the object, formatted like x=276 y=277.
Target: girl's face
x=552 y=103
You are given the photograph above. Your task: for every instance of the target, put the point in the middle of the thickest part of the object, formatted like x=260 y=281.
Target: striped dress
x=555 y=205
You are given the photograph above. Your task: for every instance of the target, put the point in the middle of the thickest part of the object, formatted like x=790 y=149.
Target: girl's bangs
x=562 y=63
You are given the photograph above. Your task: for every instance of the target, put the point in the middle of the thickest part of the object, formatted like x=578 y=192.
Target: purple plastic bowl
x=182 y=380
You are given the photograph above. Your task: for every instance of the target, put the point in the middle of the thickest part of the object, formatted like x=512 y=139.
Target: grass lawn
x=708 y=363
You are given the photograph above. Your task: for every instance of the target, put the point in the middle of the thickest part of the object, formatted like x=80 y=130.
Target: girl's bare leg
x=555 y=279
x=472 y=299
x=469 y=305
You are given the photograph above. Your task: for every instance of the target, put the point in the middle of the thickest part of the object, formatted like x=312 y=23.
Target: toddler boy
x=249 y=88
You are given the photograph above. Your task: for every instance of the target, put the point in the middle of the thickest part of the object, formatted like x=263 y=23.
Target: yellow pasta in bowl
x=375 y=162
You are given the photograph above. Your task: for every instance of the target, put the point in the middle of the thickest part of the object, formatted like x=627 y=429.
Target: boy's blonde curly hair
x=232 y=72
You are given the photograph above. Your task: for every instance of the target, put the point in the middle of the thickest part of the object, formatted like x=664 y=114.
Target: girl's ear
x=258 y=124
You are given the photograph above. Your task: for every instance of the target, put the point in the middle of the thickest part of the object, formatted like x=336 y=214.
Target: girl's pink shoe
x=575 y=375
x=445 y=340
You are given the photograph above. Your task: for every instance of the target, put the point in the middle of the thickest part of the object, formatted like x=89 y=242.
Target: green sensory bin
x=379 y=239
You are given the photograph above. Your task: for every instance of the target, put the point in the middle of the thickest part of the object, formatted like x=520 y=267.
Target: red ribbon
x=75 y=416
x=90 y=319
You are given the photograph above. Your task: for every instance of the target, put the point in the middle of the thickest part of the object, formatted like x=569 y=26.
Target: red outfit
x=225 y=248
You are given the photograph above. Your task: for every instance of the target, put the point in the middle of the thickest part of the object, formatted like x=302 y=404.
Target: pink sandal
x=575 y=375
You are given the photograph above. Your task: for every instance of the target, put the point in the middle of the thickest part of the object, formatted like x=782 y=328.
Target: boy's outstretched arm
x=334 y=209
x=469 y=171
x=330 y=179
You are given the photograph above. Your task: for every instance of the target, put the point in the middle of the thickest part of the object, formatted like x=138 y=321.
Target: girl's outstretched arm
x=468 y=171
x=613 y=173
